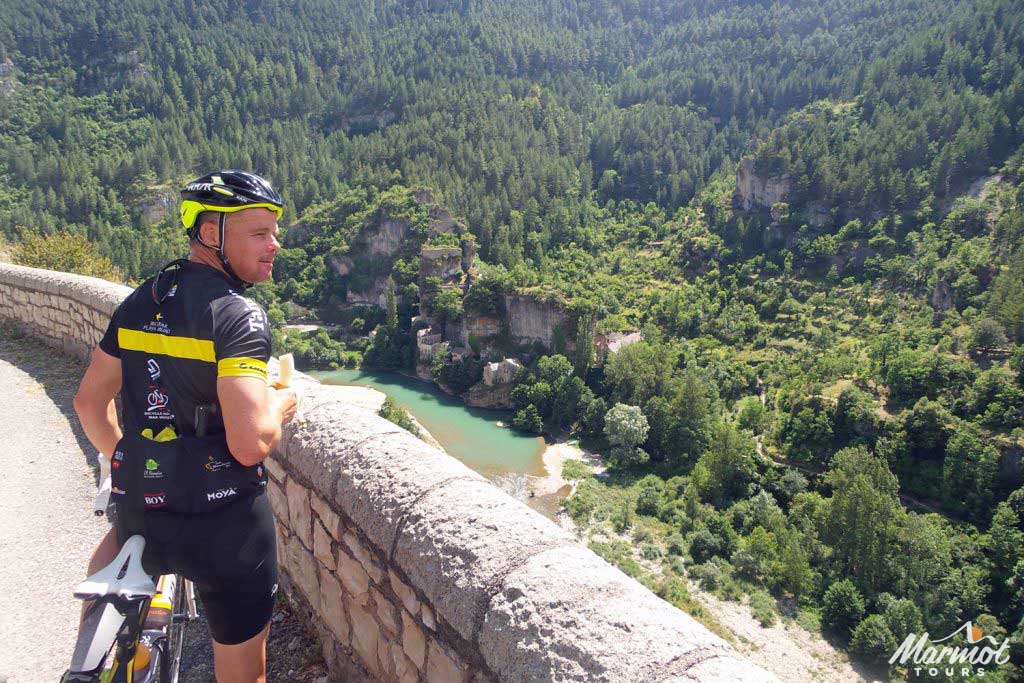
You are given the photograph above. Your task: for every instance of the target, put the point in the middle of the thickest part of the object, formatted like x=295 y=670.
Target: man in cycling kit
x=189 y=353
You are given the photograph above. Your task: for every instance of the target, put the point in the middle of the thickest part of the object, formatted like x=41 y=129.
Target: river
x=469 y=434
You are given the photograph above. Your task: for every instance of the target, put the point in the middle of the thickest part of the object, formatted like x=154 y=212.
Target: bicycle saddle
x=124 y=577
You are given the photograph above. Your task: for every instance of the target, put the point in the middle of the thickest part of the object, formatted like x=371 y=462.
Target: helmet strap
x=219 y=248
x=222 y=254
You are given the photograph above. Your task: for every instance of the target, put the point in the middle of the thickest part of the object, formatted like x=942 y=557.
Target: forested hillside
x=811 y=211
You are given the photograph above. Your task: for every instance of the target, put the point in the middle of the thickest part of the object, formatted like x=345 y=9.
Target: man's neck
x=207 y=258
x=205 y=255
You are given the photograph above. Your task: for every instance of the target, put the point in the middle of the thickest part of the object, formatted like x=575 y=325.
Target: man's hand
x=288 y=400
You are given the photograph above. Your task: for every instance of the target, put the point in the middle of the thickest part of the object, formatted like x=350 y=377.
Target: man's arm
x=253 y=414
x=94 y=402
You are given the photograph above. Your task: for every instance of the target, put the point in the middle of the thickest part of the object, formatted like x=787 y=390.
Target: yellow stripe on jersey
x=242 y=367
x=167 y=345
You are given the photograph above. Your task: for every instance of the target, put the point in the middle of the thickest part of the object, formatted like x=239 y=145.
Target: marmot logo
x=223 y=493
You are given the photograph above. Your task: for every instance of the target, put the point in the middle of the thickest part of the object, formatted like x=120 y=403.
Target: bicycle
x=134 y=629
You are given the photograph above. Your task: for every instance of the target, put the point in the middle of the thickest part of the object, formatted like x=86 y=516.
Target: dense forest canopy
x=812 y=210
x=513 y=111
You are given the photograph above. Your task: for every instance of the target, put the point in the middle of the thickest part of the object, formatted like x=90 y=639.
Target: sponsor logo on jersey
x=216 y=465
x=157 y=325
x=222 y=493
x=155 y=500
x=152 y=470
x=257 y=318
x=158 y=408
x=154 y=369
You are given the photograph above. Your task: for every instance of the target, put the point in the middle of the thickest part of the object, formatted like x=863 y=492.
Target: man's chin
x=264 y=271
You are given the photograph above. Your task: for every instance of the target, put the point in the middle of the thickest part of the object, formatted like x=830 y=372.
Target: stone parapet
x=411 y=566
x=65 y=311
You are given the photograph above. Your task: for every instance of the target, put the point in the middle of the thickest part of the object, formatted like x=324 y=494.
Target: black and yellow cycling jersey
x=199 y=509
x=172 y=352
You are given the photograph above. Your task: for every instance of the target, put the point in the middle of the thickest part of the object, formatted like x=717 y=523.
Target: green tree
x=872 y=641
x=66 y=252
x=859 y=519
x=842 y=608
x=625 y=427
x=528 y=420
x=726 y=469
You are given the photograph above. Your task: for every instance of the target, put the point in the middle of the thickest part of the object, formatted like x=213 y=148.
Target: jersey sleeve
x=241 y=338
x=108 y=343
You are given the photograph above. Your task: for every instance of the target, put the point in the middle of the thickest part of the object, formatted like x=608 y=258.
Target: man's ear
x=208 y=231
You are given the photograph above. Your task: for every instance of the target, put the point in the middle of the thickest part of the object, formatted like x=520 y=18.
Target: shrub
x=842 y=608
x=649 y=551
x=575 y=469
x=763 y=607
x=872 y=640
x=65 y=252
x=676 y=544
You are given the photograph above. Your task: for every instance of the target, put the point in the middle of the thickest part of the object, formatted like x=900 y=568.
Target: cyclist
x=187 y=348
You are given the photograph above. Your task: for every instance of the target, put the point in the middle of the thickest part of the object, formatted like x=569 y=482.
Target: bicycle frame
x=123 y=596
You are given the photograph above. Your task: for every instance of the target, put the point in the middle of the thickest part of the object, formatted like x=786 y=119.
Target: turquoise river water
x=469 y=434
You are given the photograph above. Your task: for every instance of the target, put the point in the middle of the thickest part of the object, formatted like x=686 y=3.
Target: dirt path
x=48 y=532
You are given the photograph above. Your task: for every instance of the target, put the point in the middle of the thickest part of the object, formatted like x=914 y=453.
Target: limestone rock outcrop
x=754 y=191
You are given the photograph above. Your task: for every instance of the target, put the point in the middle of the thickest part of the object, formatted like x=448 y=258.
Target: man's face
x=251 y=243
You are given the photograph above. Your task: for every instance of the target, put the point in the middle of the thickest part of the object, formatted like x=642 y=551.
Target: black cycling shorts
x=229 y=554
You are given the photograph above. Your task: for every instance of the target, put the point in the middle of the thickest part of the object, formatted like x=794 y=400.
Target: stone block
x=413 y=641
x=332 y=607
x=427 y=615
x=278 y=502
x=387 y=615
x=275 y=470
x=365 y=635
x=299 y=512
x=405 y=594
x=405 y=670
x=443 y=665
x=363 y=555
x=353 y=577
x=318 y=447
x=568 y=615
x=302 y=568
x=461 y=536
x=322 y=546
x=384 y=475
x=331 y=519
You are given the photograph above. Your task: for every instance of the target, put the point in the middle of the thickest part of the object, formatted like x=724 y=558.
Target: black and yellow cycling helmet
x=226 y=192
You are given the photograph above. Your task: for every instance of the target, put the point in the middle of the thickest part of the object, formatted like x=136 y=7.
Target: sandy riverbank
x=554 y=457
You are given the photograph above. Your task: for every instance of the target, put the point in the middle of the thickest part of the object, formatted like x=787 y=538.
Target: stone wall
x=67 y=312
x=411 y=566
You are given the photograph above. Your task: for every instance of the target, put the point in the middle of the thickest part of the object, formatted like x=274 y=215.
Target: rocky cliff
x=389 y=237
x=754 y=191
x=532 y=319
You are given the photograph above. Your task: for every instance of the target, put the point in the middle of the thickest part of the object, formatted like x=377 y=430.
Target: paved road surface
x=47 y=529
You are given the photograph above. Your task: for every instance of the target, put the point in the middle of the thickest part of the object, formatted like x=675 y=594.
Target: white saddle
x=124 y=577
